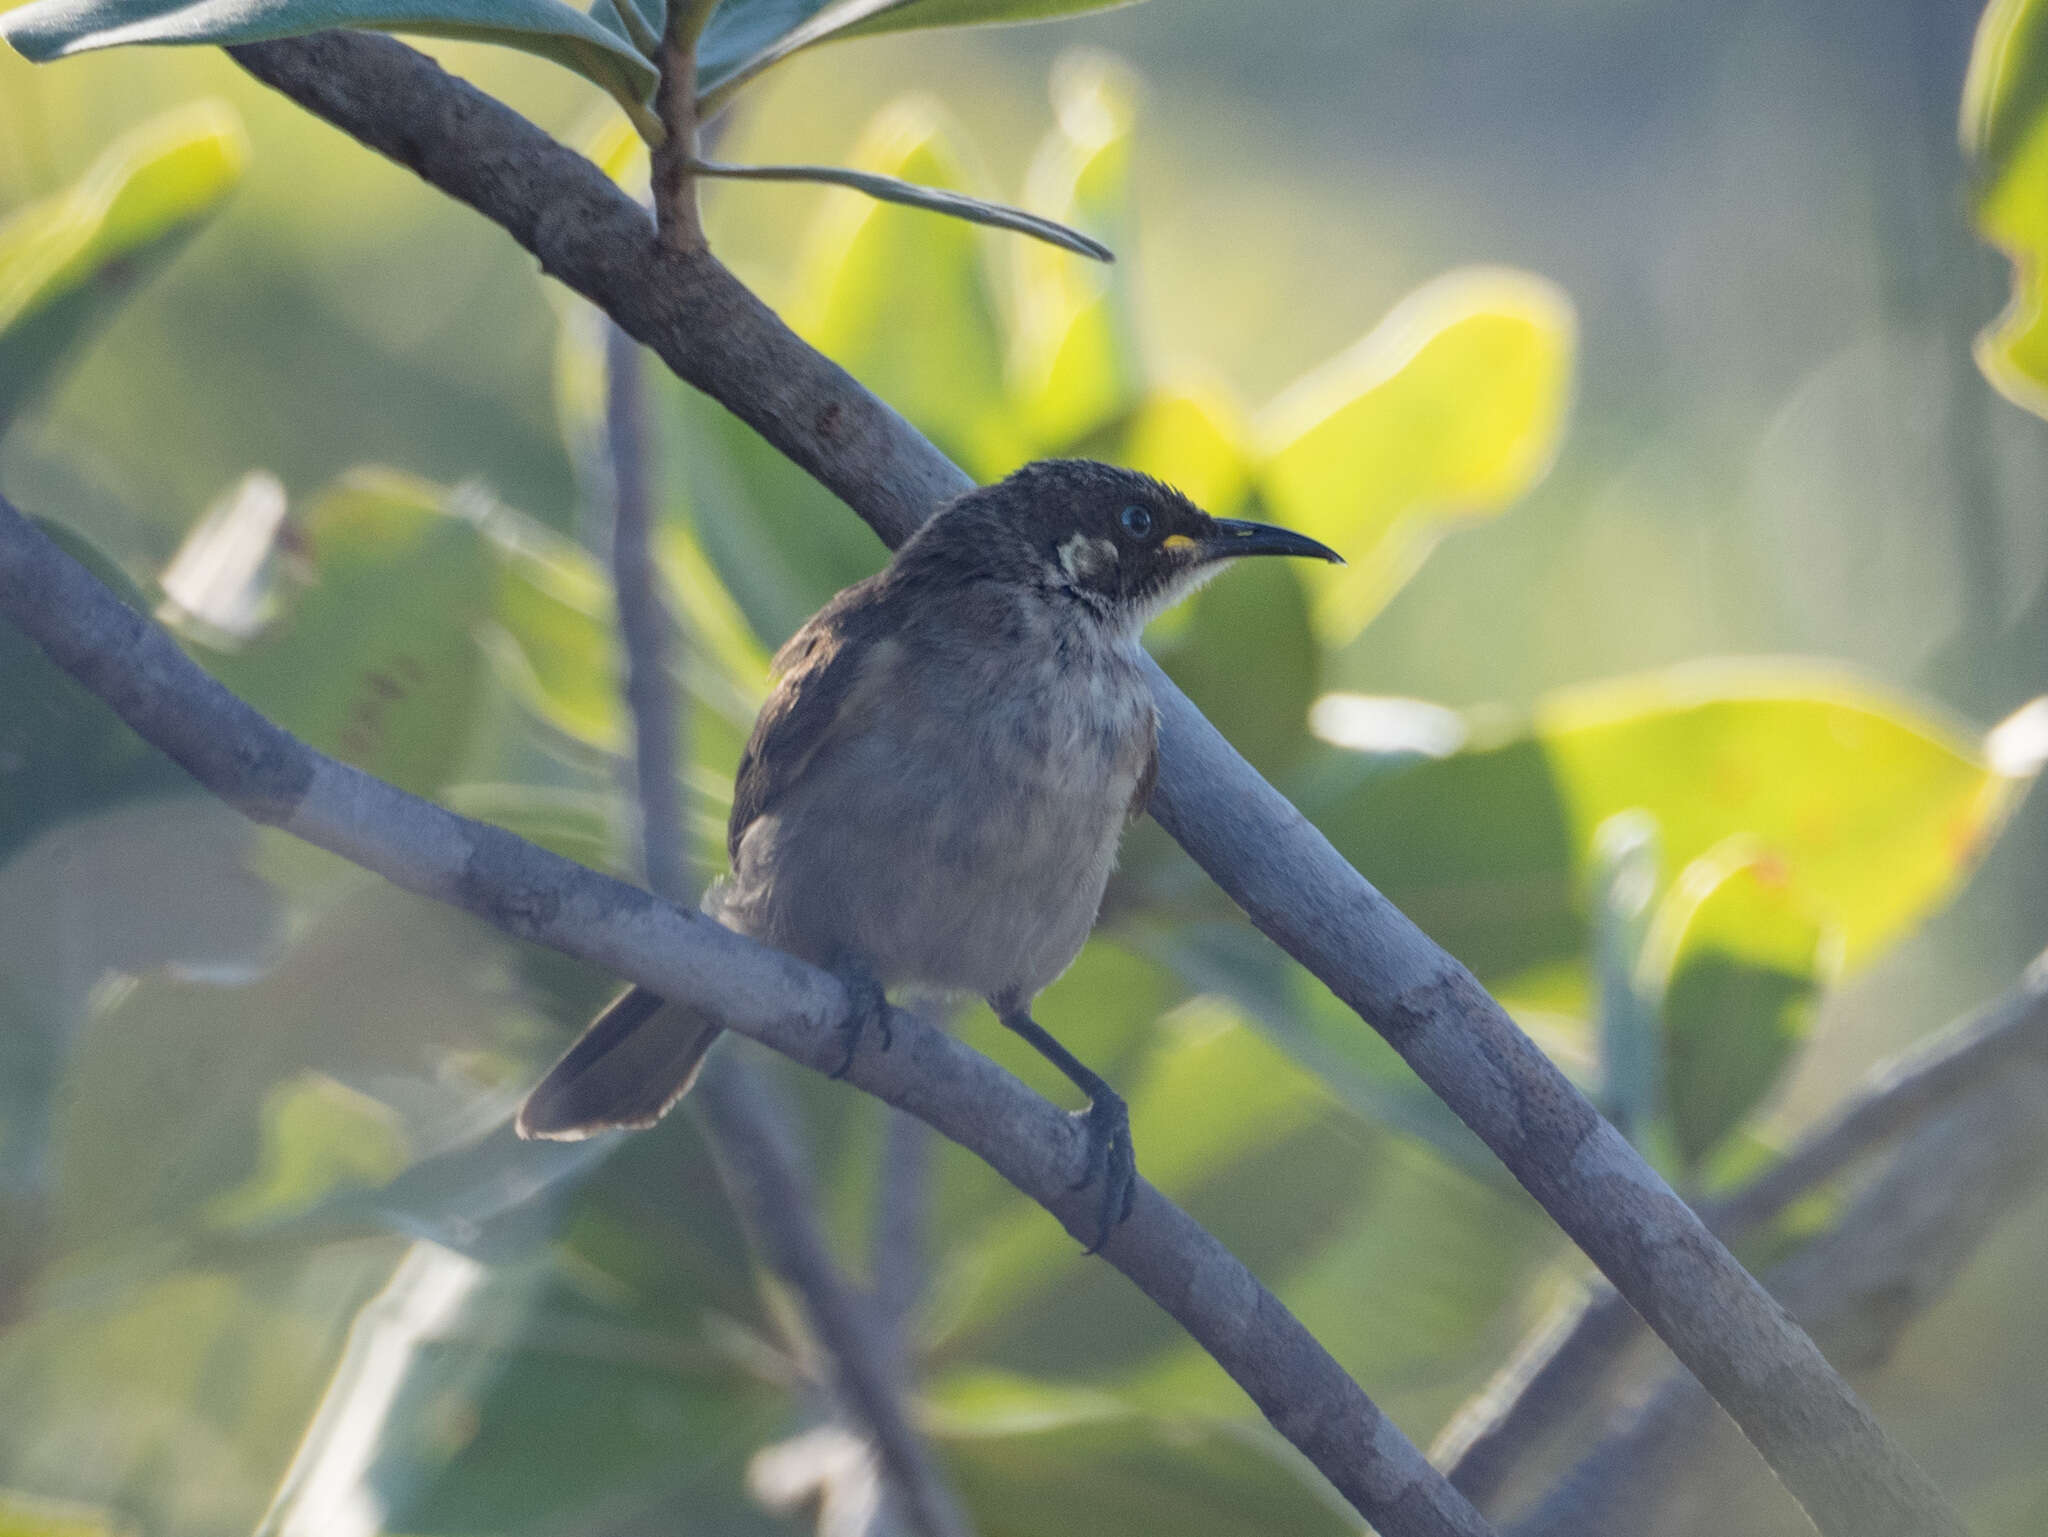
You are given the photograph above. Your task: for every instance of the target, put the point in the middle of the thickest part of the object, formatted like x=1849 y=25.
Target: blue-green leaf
x=53 y=29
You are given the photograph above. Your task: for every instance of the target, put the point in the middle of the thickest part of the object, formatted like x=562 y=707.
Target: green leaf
x=68 y=262
x=26 y=1515
x=1446 y=413
x=2005 y=138
x=908 y=305
x=745 y=37
x=1624 y=879
x=1047 y=1457
x=1740 y=962
x=892 y=189
x=1248 y=657
x=375 y=657
x=53 y=29
x=1077 y=366
x=318 y=1136
x=1875 y=810
x=1192 y=436
x=555 y=641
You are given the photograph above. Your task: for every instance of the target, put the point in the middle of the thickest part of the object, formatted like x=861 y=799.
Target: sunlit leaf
x=375 y=656
x=1076 y=365
x=1191 y=437
x=1739 y=961
x=906 y=303
x=68 y=262
x=53 y=29
x=1446 y=413
x=2005 y=136
x=1874 y=809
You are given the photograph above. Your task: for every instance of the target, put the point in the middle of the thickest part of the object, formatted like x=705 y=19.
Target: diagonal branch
x=1815 y=1433
x=1570 y=1358
x=1858 y=1288
x=532 y=894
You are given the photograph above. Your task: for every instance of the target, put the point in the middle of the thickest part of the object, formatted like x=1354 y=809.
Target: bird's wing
x=1148 y=776
x=816 y=673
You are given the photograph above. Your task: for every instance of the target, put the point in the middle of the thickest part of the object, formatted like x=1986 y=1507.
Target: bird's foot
x=1110 y=1161
x=870 y=1006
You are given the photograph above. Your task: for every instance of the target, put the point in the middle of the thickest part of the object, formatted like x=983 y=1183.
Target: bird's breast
x=960 y=832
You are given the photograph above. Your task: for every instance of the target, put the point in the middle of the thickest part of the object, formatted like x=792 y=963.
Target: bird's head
x=1121 y=543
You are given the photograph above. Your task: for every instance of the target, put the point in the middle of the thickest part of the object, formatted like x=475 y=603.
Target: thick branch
x=1812 y=1429
x=1558 y=1370
x=532 y=894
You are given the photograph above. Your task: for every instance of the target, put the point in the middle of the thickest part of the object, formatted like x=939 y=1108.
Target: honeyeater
x=934 y=792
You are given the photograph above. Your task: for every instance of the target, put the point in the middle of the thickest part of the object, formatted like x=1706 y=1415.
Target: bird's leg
x=1106 y=1120
x=870 y=1007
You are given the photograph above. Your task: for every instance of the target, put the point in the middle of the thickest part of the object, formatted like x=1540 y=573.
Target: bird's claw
x=870 y=1006
x=1107 y=1124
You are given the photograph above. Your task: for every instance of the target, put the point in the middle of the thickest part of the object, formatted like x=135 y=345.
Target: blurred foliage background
x=1693 y=291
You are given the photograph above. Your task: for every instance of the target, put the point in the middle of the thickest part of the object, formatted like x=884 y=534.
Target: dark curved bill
x=1235 y=536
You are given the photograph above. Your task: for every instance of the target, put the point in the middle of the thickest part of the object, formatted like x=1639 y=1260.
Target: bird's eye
x=1136 y=521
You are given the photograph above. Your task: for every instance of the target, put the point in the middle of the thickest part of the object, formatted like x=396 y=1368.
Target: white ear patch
x=1084 y=559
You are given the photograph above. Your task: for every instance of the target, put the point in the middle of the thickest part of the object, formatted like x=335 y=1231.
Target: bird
x=934 y=793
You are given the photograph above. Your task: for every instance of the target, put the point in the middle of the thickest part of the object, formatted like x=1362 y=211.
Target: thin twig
x=1815 y=1433
x=1858 y=1288
x=1565 y=1364
x=901 y=1201
x=756 y=1149
x=646 y=627
x=532 y=894
x=753 y=1145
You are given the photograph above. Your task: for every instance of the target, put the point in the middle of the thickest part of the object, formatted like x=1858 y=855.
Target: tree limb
x=533 y=894
x=1858 y=1288
x=1816 y=1434
x=1567 y=1360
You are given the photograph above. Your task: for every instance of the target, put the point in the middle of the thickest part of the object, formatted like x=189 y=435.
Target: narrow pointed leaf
x=890 y=189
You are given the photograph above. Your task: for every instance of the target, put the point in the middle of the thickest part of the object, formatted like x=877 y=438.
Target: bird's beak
x=1228 y=538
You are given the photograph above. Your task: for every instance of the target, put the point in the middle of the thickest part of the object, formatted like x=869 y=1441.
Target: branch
x=1564 y=1364
x=753 y=1146
x=532 y=894
x=1890 y=1258
x=1816 y=1434
x=646 y=627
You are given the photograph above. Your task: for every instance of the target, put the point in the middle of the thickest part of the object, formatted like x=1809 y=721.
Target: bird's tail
x=635 y=1060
